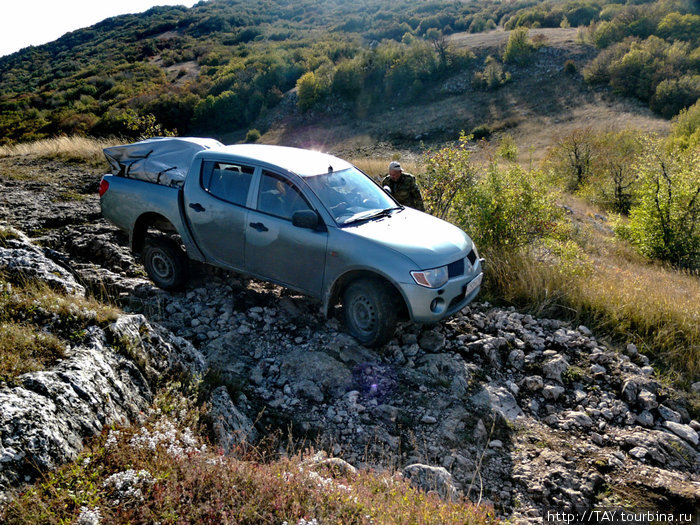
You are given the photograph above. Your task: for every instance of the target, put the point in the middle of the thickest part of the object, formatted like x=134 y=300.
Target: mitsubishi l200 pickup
x=302 y=219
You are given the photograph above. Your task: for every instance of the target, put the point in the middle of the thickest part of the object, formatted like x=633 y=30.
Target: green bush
x=685 y=128
x=613 y=181
x=673 y=95
x=509 y=207
x=253 y=135
x=482 y=131
x=519 y=47
x=665 y=222
x=449 y=172
x=492 y=76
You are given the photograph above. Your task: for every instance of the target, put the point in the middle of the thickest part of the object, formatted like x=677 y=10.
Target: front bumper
x=429 y=305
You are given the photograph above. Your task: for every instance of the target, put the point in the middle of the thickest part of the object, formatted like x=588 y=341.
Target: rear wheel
x=166 y=263
x=370 y=312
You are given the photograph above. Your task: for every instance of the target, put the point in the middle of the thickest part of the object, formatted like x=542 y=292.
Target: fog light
x=437 y=305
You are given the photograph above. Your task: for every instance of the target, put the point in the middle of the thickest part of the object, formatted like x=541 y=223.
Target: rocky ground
x=528 y=414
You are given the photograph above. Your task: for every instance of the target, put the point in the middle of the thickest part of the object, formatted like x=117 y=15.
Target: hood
x=428 y=241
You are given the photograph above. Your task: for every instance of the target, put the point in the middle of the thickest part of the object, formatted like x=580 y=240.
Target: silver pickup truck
x=305 y=220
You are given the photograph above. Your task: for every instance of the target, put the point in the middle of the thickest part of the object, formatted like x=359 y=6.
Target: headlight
x=434 y=278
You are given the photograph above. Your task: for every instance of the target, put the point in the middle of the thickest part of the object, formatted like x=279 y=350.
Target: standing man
x=403 y=187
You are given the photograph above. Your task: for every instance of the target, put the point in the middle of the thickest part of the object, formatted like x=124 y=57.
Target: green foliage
x=613 y=180
x=492 y=76
x=507 y=149
x=508 y=207
x=675 y=26
x=309 y=90
x=665 y=222
x=685 y=128
x=674 y=95
x=253 y=135
x=448 y=172
x=569 y=67
x=570 y=160
x=519 y=48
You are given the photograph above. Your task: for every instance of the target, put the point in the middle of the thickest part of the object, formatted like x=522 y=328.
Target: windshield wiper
x=370 y=214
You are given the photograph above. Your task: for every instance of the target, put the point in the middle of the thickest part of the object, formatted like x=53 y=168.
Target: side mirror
x=305 y=219
x=387 y=189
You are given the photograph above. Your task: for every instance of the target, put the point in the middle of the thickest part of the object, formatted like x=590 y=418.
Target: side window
x=229 y=182
x=279 y=197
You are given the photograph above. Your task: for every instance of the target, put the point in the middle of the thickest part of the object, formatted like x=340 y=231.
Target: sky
x=34 y=22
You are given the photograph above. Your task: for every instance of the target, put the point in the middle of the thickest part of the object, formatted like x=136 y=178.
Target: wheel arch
x=335 y=292
x=150 y=221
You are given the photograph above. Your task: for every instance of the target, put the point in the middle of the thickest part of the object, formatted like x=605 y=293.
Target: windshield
x=349 y=195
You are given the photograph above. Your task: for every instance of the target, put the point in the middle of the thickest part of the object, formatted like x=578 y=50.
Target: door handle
x=258 y=226
x=196 y=206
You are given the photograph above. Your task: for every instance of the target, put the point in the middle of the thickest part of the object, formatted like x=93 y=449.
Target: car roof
x=303 y=162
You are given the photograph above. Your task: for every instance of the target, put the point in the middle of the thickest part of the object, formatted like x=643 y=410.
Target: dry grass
x=26 y=349
x=620 y=295
x=75 y=149
x=377 y=168
x=37 y=322
x=163 y=472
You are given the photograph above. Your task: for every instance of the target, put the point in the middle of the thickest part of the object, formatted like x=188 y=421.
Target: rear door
x=217 y=208
x=275 y=248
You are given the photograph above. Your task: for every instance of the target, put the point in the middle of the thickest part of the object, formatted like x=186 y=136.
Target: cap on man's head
x=393 y=165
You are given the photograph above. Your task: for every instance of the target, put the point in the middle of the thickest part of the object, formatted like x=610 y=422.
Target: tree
x=307 y=90
x=613 y=179
x=572 y=157
x=449 y=171
x=665 y=223
x=519 y=48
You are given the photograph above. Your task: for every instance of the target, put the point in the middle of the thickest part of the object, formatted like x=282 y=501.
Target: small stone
x=584 y=330
x=552 y=392
x=428 y=420
x=647 y=400
x=696 y=387
x=629 y=391
x=632 y=350
x=639 y=452
x=533 y=383
x=668 y=414
x=431 y=341
x=684 y=431
x=597 y=370
x=645 y=419
x=647 y=370
x=496 y=443
x=554 y=368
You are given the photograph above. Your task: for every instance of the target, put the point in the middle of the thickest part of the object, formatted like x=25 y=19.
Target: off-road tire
x=166 y=263
x=369 y=311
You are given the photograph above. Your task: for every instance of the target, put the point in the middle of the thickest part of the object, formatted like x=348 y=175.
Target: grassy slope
x=539 y=105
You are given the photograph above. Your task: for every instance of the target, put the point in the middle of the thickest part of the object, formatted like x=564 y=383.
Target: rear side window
x=228 y=182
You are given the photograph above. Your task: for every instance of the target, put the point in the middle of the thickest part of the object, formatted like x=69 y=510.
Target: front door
x=275 y=248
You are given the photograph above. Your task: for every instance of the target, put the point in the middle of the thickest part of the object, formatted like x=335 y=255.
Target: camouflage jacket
x=405 y=190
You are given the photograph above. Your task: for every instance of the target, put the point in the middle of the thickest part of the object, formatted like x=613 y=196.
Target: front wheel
x=166 y=264
x=370 y=311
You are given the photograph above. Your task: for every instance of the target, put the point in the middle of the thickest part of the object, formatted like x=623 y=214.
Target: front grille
x=455 y=269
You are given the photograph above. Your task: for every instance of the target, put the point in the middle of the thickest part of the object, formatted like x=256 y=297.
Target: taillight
x=104 y=186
